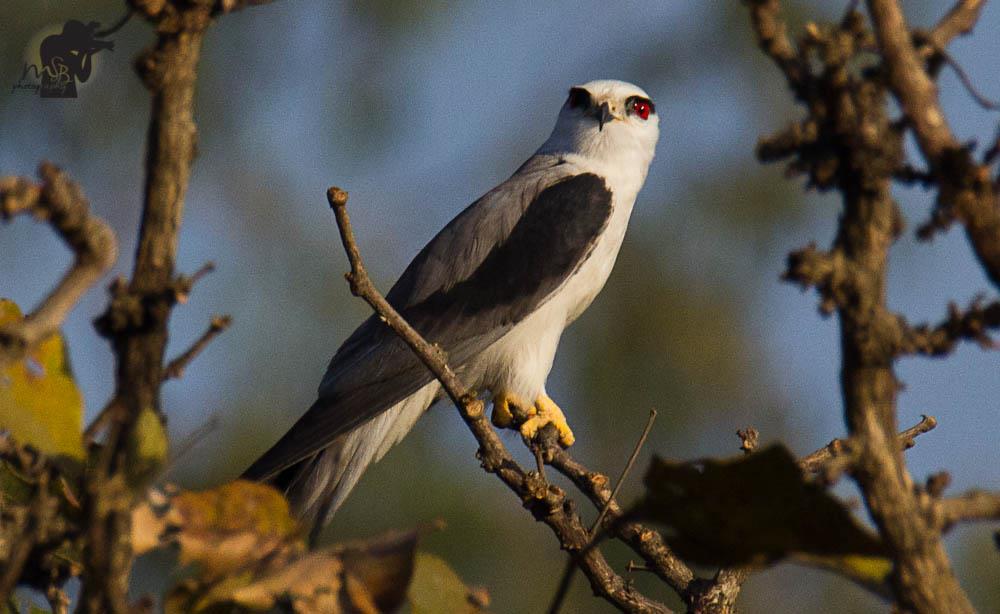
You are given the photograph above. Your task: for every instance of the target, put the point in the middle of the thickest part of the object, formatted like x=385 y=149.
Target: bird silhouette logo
x=66 y=58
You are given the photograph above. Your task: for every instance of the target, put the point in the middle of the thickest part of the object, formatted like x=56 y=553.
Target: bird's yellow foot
x=547 y=412
x=504 y=406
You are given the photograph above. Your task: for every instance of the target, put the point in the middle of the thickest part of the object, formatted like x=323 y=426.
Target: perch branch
x=646 y=542
x=546 y=502
x=60 y=202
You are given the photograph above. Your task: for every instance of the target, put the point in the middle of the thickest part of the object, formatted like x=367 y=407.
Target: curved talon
x=547 y=412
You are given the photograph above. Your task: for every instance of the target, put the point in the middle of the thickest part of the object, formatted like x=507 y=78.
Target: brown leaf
x=220 y=530
x=752 y=509
x=383 y=565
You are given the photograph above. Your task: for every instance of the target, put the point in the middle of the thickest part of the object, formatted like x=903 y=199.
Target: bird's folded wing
x=488 y=269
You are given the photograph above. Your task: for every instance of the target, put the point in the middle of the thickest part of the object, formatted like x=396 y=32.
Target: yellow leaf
x=40 y=404
x=435 y=587
x=871 y=572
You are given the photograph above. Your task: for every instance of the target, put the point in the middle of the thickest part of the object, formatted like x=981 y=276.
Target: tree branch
x=546 y=502
x=959 y=21
x=967 y=190
x=60 y=202
x=975 y=505
x=215 y=328
x=970 y=325
x=567 y=577
x=137 y=316
x=849 y=144
x=837 y=456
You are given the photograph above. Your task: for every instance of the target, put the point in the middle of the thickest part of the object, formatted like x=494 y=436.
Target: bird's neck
x=617 y=155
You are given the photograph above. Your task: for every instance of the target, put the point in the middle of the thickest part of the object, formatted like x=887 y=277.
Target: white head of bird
x=607 y=121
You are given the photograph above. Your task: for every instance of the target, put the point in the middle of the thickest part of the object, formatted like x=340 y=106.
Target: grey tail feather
x=315 y=486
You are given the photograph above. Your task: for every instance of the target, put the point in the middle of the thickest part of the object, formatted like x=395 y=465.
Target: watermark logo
x=62 y=60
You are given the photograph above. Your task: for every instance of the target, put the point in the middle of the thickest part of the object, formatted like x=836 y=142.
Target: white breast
x=520 y=361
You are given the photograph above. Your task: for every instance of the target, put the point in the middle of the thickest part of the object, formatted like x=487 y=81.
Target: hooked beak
x=604 y=115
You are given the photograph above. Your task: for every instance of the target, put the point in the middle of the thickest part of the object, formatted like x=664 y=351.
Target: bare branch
x=966 y=187
x=849 y=143
x=971 y=325
x=772 y=38
x=215 y=328
x=137 y=316
x=184 y=284
x=909 y=81
x=975 y=505
x=821 y=460
x=59 y=202
x=959 y=21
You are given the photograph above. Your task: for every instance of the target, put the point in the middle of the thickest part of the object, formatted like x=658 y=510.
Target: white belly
x=520 y=361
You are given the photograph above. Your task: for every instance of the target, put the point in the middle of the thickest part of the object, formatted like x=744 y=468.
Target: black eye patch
x=579 y=98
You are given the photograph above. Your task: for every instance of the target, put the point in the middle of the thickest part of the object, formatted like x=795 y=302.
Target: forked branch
x=60 y=202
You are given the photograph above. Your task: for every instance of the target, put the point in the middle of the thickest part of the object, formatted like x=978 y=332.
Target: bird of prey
x=495 y=289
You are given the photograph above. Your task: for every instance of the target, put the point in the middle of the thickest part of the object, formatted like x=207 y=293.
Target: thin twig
x=177 y=366
x=184 y=284
x=566 y=580
x=966 y=81
x=821 y=460
x=625 y=471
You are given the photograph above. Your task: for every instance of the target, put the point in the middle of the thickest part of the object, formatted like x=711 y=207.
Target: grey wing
x=493 y=265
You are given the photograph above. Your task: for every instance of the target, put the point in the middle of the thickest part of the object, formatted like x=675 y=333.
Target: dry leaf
x=753 y=509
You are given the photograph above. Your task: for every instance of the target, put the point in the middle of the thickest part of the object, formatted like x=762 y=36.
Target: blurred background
x=417 y=108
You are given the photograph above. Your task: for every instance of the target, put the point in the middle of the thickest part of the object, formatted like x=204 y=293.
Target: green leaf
x=40 y=404
x=435 y=587
x=753 y=509
x=147 y=447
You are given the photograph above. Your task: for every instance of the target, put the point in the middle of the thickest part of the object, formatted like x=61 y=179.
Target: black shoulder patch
x=548 y=243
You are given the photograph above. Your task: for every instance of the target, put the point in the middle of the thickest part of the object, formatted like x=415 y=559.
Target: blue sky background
x=417 y=109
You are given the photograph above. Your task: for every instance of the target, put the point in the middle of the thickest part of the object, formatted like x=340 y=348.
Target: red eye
x=641 y=108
